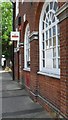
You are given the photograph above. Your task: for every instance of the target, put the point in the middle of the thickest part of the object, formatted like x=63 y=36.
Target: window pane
x=54 y=30
x=51 y=4
x=46 y=20
x=54 y=63
x=54 y=41
x=43 y=25
x=43 y=63
x=49 y=32
x=49 y=58
x=58 y=40
x=47 y=9
x=52 y=15
x=49 y=22
x=55 y=6
x=43 y=36
x=48 y=15
x=43 y=54
x=59 y=51
x=59 y=63
x=46 y=34
x=46 y=44
x=54 y=52
x=53 y=20
x=43 y=45
x=46 y=25
x=28 y=63
x=44 y=16
x=50 y=42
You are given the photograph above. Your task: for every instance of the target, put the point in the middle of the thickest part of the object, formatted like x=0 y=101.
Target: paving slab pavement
x=16 y=102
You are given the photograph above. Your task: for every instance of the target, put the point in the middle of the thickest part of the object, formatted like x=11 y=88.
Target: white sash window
x=27 y=47
x=49 y=40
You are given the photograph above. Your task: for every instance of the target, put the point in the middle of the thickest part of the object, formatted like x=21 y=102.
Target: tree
x=6 y=8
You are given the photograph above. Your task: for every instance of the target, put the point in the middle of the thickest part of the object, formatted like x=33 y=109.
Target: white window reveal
x=17 y=7
x=22 y=1
x=27 y=48
x=49 y=39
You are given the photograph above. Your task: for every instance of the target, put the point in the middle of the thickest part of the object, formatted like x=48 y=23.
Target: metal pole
x=13 y=41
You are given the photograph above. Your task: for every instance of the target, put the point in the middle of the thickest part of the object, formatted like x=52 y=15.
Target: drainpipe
x=13 y=41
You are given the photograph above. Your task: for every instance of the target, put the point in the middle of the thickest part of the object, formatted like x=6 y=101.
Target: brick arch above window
x=37 y=15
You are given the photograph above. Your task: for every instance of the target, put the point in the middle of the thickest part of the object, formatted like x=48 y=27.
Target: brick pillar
x=64 y=67
x=34 y=63
x=16 y=66
x=62 y=14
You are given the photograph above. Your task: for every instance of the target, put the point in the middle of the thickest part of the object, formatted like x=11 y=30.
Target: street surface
x=16 y=102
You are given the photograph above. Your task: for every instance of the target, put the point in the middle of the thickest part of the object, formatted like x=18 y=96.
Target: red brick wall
x=64 y=66
x=16 y=66
x=34 y=64
x=49 y=88
x=52 y=89
x=26 y=76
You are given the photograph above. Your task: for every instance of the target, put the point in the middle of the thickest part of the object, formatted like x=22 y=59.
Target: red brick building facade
x=40 y=64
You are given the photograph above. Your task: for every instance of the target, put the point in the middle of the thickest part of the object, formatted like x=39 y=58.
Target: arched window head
x=27 y=47
x=49 y=39
x=49 y=16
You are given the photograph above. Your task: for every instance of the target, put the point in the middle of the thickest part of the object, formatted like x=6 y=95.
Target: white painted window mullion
x=56 y=49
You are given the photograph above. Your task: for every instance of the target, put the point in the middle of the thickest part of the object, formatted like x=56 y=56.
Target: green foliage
x=6 y=9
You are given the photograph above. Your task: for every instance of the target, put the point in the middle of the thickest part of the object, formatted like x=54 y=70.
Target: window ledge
x=49 y=74
x=26 y=69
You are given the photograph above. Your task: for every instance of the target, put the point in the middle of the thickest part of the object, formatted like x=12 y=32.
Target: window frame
x=54 y=72
x=26 y=48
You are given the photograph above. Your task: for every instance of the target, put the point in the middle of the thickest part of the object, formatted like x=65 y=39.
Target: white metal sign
x=15 y=36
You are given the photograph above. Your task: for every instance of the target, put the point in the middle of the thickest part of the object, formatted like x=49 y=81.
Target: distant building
x=41 y=55
x=3 y=61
